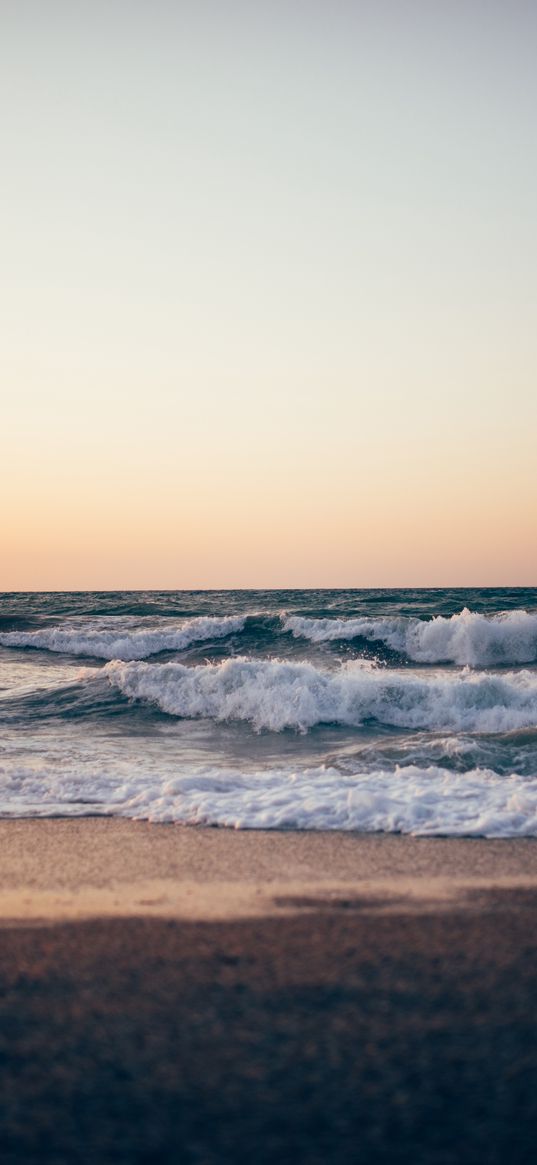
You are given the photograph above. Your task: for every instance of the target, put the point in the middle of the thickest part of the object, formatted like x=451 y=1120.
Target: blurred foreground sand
x=174 y=996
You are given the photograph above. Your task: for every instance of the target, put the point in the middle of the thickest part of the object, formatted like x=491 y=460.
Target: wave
x=467 y=638
x=109 y=642
x=423 y=801
x=410 y=800
x=275 y=695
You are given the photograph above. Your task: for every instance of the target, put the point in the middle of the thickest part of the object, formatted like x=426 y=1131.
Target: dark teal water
x=419 y=602
x=400 y=710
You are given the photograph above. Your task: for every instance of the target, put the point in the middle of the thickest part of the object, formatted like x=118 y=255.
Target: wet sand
x=172 y=995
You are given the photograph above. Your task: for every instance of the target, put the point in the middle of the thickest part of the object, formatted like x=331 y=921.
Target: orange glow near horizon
x=268 y=299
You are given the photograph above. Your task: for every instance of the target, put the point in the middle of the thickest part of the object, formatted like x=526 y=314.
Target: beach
x=204 y=995
x=268 y=584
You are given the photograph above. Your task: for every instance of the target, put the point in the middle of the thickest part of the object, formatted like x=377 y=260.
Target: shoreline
x=61 y=869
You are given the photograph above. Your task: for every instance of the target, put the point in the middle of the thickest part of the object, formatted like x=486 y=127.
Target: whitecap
x=466 y=638
x=275 y=695
x=125 y=642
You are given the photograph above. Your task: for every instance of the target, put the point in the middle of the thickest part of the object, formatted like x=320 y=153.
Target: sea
x=391 y=711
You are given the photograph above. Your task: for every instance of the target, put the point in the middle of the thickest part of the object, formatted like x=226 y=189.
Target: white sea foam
x=124 y=642
x=409 y=800
x=467 y=638
x=273 y=694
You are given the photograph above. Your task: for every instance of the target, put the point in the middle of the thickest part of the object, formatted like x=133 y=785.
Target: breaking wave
x=275 y=695
x=124 y=643
x=409 y=799
x=467 y=638
x=403 y=712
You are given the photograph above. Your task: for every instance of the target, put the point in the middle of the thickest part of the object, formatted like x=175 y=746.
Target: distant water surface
x=410 y=711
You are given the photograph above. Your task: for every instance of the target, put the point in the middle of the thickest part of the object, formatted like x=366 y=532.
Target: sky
x=268 y=293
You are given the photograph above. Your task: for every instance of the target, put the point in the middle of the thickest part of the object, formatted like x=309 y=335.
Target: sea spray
x=274 y=695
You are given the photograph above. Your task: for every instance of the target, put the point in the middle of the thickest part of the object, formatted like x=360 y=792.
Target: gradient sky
x=268 y=293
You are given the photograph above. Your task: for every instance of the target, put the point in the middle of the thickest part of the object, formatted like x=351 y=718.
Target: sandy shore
x=59 y=870
x=175 y=995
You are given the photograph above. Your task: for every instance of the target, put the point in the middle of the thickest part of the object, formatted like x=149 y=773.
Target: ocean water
x=409 y=711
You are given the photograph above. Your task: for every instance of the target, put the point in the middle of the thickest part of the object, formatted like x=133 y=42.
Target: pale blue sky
x=268 y=290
